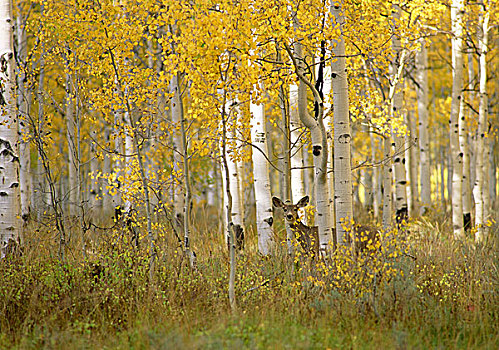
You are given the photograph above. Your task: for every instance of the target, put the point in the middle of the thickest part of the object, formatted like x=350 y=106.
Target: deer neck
x=299 y=226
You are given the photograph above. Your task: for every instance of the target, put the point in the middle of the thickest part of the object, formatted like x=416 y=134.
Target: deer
x=308 y=236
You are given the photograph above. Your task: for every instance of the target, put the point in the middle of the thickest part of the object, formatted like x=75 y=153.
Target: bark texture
x=342 y=133
x=396 y=75
x=424 y=145
x=264 y=218
x=457 y=11
x=9 y=153
x=480 y=190
x=23 y=103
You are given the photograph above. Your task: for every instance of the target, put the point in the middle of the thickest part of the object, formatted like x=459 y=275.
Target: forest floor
x=425 y=291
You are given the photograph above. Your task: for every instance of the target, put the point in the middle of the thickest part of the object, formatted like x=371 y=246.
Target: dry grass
x=445 y=296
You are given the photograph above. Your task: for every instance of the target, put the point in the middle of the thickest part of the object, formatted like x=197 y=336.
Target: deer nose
x=289 y=216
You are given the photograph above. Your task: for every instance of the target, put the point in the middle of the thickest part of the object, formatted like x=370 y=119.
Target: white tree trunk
x=450 y=171
x=465 y=150
x=479 y=189
x=212 y=188
x=116 y=200
x=297 y=163
x=240 y=170
x=376 y=184
x=178 y=195
x=366 y=178
x=107 y=202
x=492 y=176
x=411 y=165
x=227 y=186
x=387 y=184
x=471 y=115
x=236 y=215
x=442 y=177
x=72 y=148
x=424 y=146
x=487 y=207
x=24 y=103
x=9 y=155
x=457 y=11
x=342 y=137
x=43 y=198
x=128 y=152
x=191 y=256
x=94 y=180
x=466 y=145
x=309 y=173
x=396 y=74
x=264 y=217
x=328 y=124
x=286 y=163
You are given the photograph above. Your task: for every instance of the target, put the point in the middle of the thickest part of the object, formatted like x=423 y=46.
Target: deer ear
x=277 y=202
x=303 y=202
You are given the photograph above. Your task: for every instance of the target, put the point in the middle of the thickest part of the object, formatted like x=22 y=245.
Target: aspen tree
x=133 y=150
x=43 y=195
x=492 y=182
x=177 y=99
x=72 y=147
x=472 y=96
x=23 y=103
x=376 y=183
x=285 y=156
x=240 y=168
x=424 y=149
x=264 y=217
x=211 y=197
x=94 y=181
x=229 y=125
x=464 y=146
x=324 y=85
x=442 y=164
x=298 y=109
x=457 y=10
x=228 y=200
x=480 y=189
x=411 y=164
x=178 y=194
x=342 y=133
x=297 y=162
x=396 y=101
x=107 y=203
x=387 y=183
x=9 y=147
x=128 y=153
x=286 y=162
x=328 y=124
x=366 y=179
x=151 y=144
x=117 y=200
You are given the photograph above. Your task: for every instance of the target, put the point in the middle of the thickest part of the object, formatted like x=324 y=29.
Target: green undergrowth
x=444 y=294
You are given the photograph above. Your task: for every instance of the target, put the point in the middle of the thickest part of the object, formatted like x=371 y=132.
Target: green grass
x=445 y=297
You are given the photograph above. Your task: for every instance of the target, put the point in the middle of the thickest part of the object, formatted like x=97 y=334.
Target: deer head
x=291 y=210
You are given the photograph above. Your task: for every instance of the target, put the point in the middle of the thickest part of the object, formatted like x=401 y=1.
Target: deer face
x=291 y=210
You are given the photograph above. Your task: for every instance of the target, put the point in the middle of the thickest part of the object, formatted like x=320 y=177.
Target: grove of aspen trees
x=193 y=174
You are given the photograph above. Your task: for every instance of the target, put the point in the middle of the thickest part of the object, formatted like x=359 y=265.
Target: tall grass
x=445 y=294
